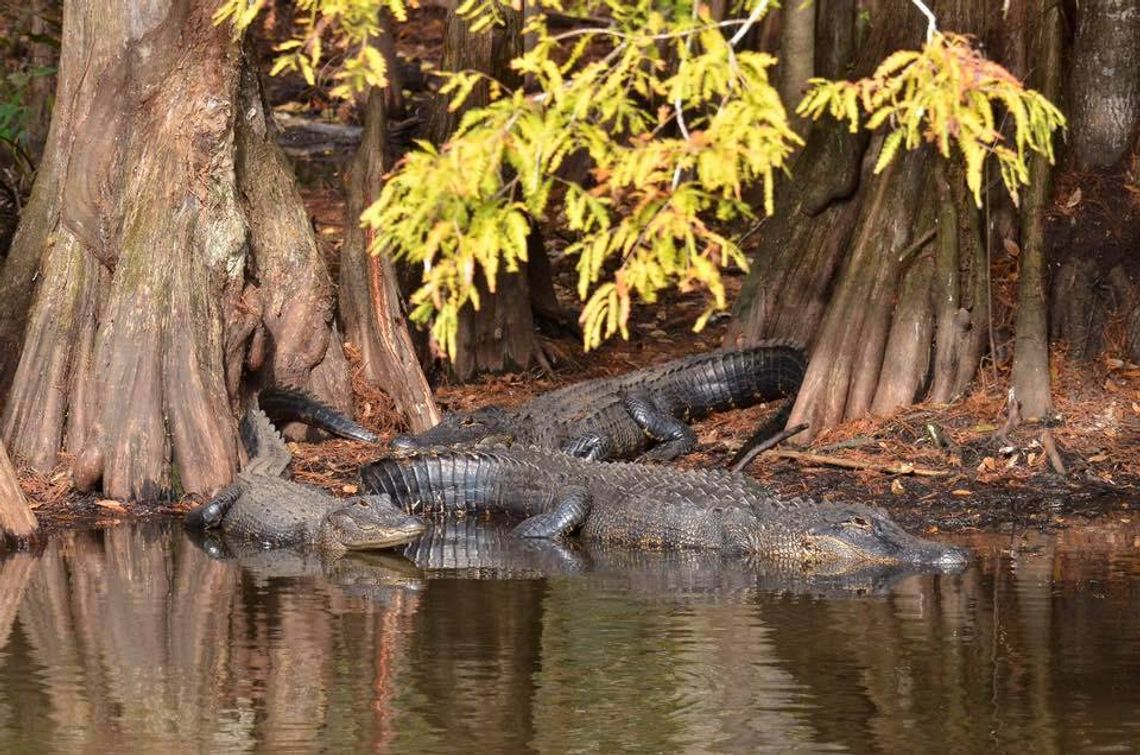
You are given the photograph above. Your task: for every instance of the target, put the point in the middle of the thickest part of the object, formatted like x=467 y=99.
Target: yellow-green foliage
x=352 y=26
x=946 y=92
x=676 y=122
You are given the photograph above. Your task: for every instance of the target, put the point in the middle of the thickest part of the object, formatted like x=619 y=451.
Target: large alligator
x=648 y=506
x=620 y=417
x=262 y=507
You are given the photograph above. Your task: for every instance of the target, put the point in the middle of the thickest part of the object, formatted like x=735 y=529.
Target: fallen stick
x=897 y=468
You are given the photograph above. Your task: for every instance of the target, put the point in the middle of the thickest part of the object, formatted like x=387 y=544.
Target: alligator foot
x=591 y=446
x=567 y=516
x=675 y=437
x=211 y=513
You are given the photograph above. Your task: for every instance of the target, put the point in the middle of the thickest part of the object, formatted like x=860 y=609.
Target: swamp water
x=134 y=639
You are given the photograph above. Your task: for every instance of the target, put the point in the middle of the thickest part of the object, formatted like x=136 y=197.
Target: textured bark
x=834 y=37
x=159 y=195
x=844 y=367
x=16 y=519
x=1031 y=344
x=907 y=355
x=501 y=334
x=1104 y=85
x=369 y=301
x=827 y=271
x=797 y=56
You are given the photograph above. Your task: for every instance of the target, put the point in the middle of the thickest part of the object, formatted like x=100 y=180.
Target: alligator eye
x=363 y=504
x=859 y=521
x=467 y=421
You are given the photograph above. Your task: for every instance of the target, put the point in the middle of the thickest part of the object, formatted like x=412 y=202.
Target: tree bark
x=16 y=519
x=1031 y=337
x=501 y=335
x=797 y=56
x=1104 y=91
x=828 y=271
x=163 y=237
x=369 y=301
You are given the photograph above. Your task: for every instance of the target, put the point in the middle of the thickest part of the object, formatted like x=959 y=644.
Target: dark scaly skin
x=622 y=416
x=649 y=507
x=283 y=405
x=263 y=508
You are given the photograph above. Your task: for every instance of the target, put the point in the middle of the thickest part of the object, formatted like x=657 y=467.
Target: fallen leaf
x=1074 y=199
x=349 y=488
x=961 y=493
x=1011 y=247
x=1098 y=457
x=110 y=503
x=897 y=487
x=984 y=428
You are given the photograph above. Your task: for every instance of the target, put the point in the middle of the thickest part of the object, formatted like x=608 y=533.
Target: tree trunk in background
x=1092 y=245
x=16 y=519
x=164 y=253
x=45 y=16
x=501 y=334
x=1031 y=336
x=1104 y=92
x=844 y=266
x=797 y=56
x=369 y=301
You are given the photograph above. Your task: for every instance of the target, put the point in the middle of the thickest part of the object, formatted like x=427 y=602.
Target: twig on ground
x=899 y=468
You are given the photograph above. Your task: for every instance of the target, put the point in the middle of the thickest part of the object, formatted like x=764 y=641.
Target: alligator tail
x=293 y=405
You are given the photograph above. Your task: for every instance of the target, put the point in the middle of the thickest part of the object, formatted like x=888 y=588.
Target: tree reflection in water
x=133 y=638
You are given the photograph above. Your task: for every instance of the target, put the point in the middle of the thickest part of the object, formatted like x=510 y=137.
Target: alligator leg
x=211 y=513
x=676 y=438
x=592 y=446
x=568 y=515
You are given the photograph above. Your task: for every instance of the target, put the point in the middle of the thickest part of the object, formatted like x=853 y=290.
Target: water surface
x=133 y=638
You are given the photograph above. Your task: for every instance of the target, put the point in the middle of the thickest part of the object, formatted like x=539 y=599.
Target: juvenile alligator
x=283 y=405
x=262 y=507
x=648 y=506
x=620 y=417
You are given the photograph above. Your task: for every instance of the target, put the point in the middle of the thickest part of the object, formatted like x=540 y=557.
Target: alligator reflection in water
x=134 y=638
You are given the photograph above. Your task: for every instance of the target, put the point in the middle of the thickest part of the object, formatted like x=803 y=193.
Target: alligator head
x=461 y=428
x=859 y=534
x=367 y=522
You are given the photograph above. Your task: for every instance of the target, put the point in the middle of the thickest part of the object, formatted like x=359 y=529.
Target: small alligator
x=620 y=417
x=264 y=508
x=648 y=506
x=283 y=405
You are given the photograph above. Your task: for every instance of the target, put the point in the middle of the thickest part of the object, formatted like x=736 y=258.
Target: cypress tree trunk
x=1092 y=245
x=501 y=334
x=846 y=266
x=164 y=255
x=1031 y=339
x=369 y=301
x=16 y=519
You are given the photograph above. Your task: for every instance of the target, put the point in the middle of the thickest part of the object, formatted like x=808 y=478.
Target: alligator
x=262 y=507
x=620 y=417
x=283 y=405
x=648 y=506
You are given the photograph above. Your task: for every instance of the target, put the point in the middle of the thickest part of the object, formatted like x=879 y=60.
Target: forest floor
x=975 y=476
